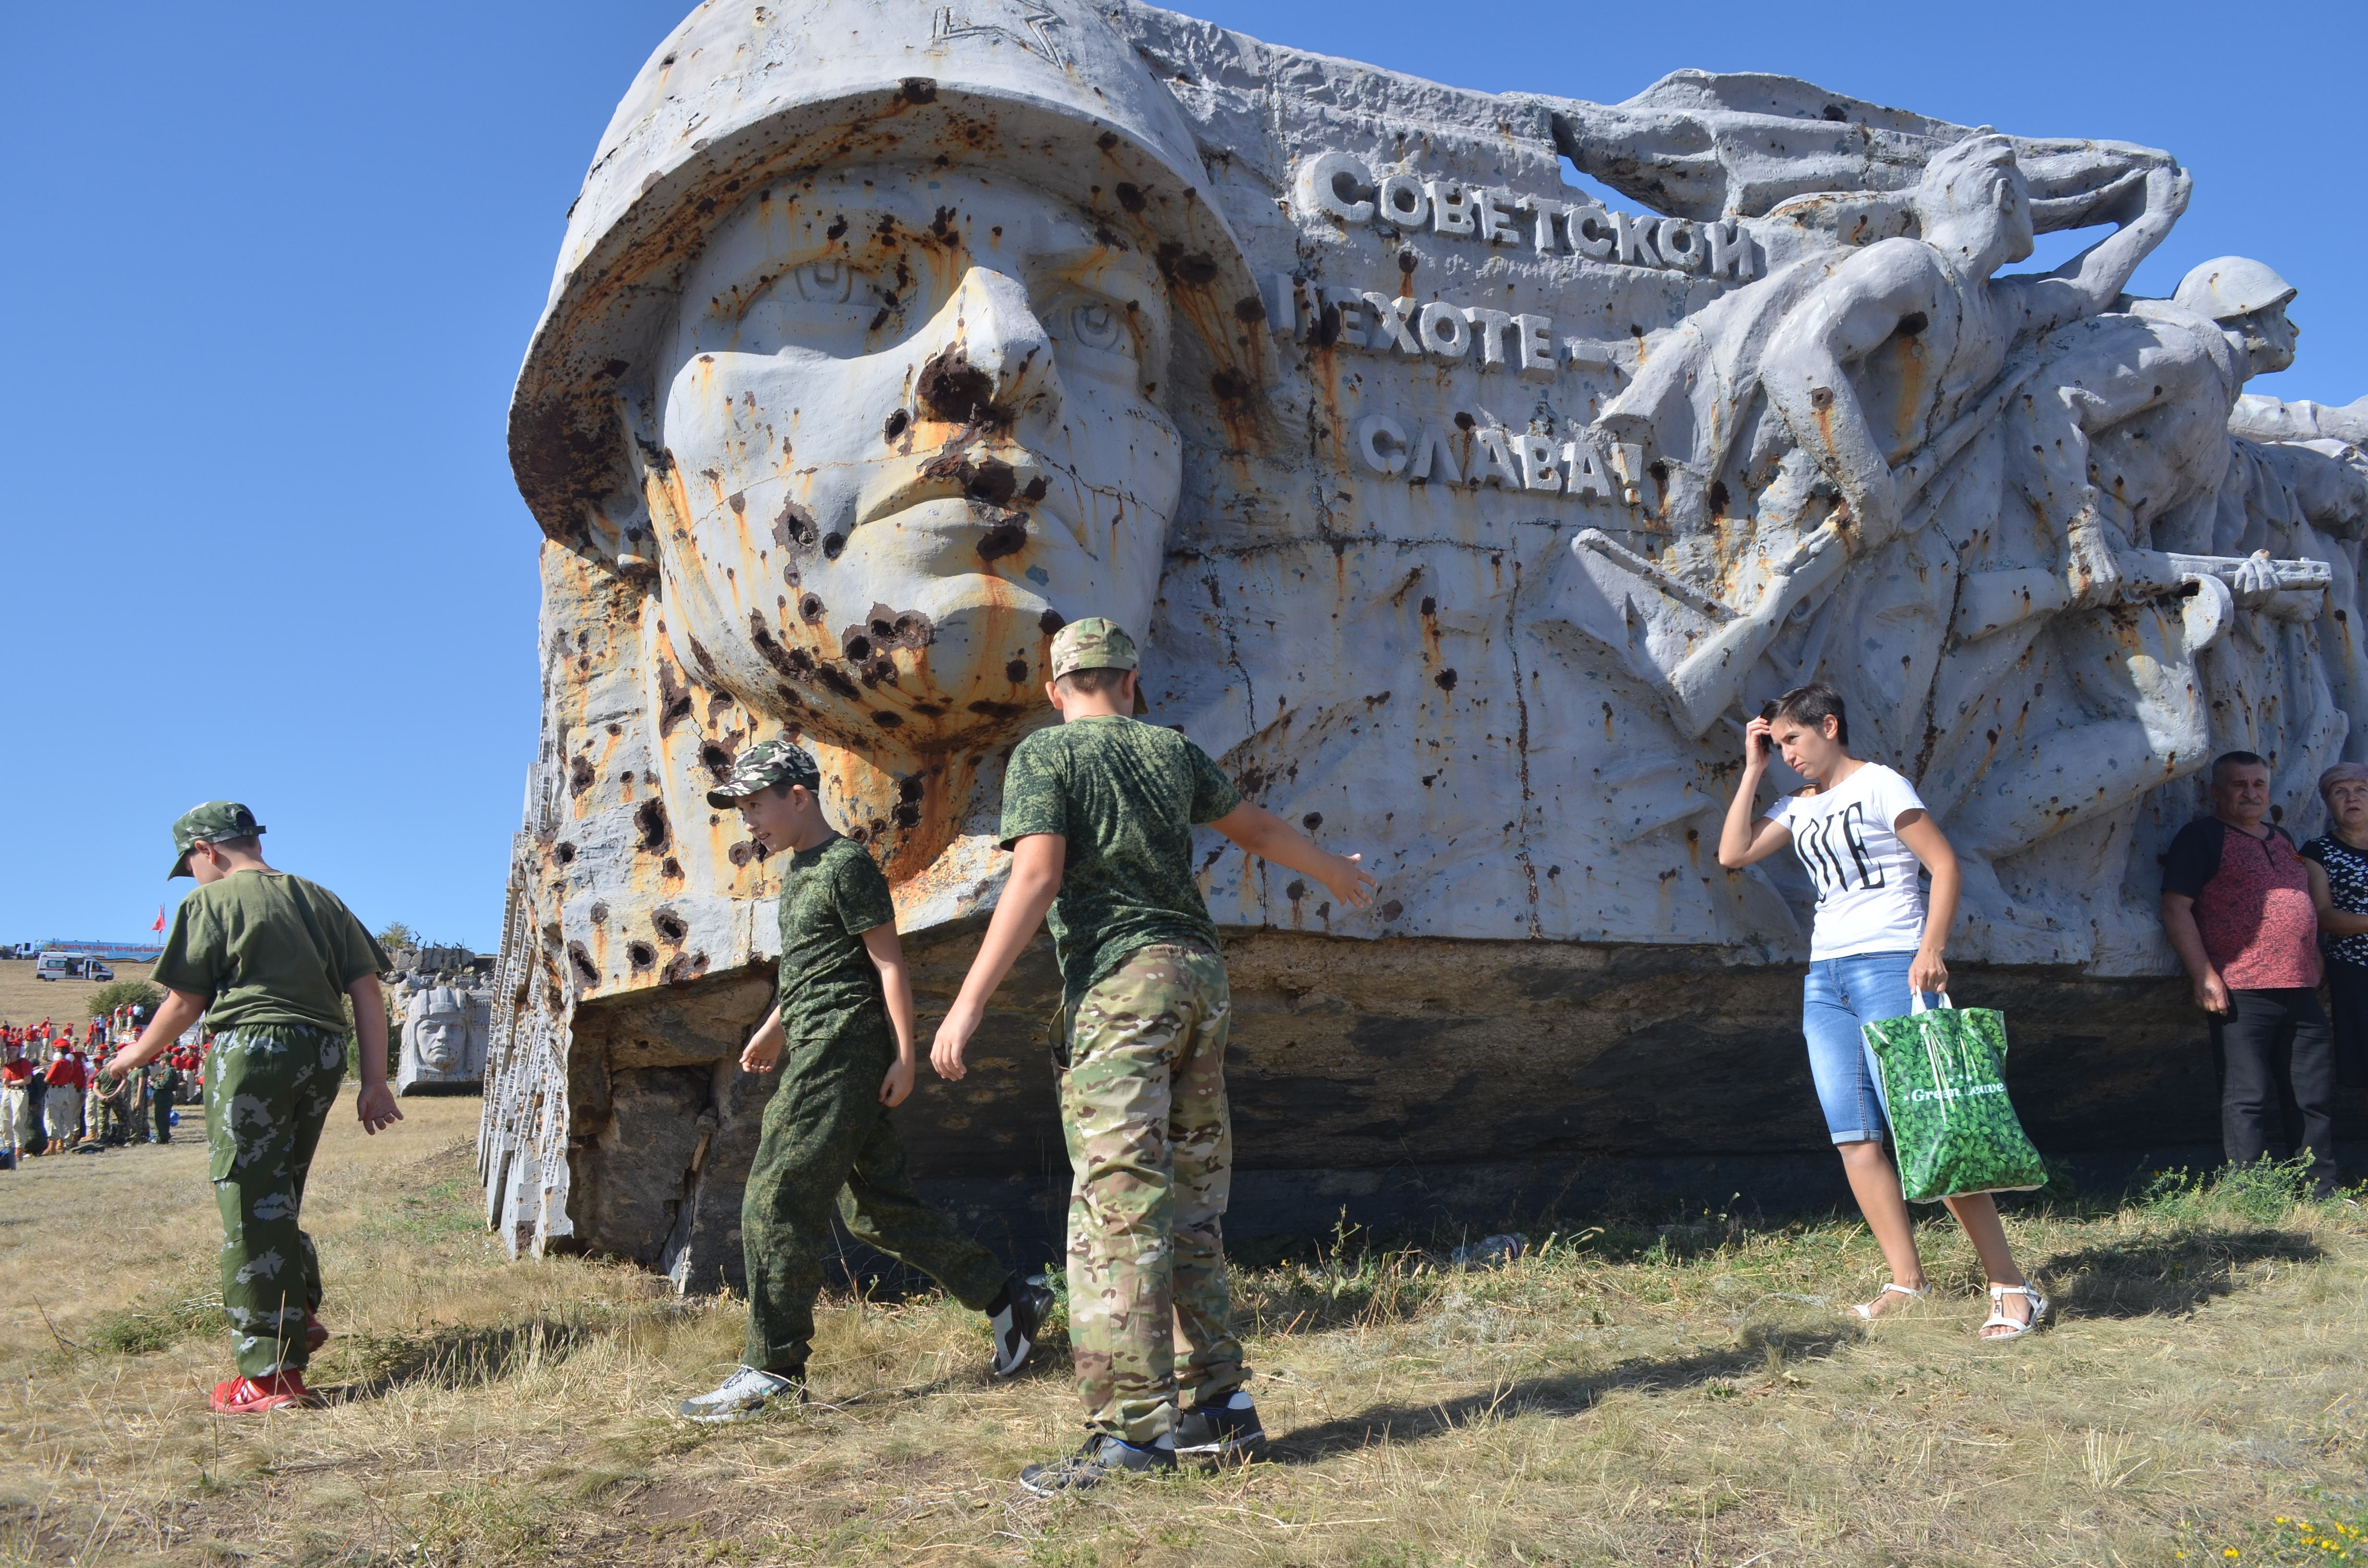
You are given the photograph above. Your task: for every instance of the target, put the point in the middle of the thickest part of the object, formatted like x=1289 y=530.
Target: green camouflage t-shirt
x=1126 y=796
x=831 y=895
x=266 y=949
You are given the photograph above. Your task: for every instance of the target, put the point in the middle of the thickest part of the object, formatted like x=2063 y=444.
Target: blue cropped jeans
x=1841 y=997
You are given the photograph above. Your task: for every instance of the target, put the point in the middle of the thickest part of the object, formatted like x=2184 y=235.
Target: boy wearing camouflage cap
x=1099 y=812
x=270 y=961
x=841 y=1037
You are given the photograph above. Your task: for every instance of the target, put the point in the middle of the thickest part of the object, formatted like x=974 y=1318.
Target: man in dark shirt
x=2237 y=905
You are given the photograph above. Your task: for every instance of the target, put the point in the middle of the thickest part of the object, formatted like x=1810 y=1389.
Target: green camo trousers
x=1151 y=1157
x=267 y=1092
x=826 y=1136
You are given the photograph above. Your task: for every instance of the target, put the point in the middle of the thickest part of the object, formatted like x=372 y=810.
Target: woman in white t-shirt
x=1865 y=838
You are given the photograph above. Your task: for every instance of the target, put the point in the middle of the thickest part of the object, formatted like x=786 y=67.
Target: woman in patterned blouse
x=2339 y=885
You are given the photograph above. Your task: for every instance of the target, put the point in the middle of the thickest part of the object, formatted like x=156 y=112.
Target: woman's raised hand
x=1759 y=746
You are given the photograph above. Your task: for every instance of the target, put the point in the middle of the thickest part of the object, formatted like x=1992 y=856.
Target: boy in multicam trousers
x=1098 y=814
x=270 y=961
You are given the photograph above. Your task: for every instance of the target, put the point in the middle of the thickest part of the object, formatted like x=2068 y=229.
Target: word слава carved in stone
x=1462 y=517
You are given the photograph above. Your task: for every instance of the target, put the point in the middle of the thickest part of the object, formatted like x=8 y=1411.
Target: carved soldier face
x=2266 y=337
x=443 y=1042
x=910 y=427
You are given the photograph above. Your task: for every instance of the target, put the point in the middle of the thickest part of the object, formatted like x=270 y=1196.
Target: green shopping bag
x=1952 y=1124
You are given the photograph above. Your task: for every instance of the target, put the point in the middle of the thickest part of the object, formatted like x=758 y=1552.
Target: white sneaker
x=743 y=1397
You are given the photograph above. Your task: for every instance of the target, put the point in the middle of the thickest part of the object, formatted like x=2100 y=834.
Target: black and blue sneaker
x=1016 y=1322
x=1103 y=1457
x=1223 y=1431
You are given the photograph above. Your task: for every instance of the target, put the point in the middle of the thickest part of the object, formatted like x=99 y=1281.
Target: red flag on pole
x=160 y=919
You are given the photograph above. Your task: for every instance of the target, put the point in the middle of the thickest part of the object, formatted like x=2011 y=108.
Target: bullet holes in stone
x=564 y=852
x=888 y=720
x=1312 y=820
x=833 y=545
x=1444 y=680
x=716 y=760
x=670 y=927
x=898 y=422
x=683 y=968
x=586 y=971
x=640 y=955
x=854 y=645
x=579 y=775
x=950 y=388
x=902 y=629
x=599 y=915
x=1007 y=537
x=1296 y=890
x=1392 y=910
x=829 y=675
x=1016 y=672
x=1049 y=623
x=671 y=869
x=810 y=608
x=650 y=821
x=795 y=529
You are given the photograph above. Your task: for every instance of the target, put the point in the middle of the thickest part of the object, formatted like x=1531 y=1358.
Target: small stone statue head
x=439 y=1033
x=1974 y=203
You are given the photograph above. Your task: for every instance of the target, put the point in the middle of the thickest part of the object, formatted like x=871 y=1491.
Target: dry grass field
x=24 y=1000
x=1672 y=1393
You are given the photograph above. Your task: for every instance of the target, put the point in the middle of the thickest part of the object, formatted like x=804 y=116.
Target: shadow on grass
x=1570 y=1395
x=461 y=1357
x=2169 y=1273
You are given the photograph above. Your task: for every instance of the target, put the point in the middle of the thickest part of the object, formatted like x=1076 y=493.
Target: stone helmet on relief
x=872 y=335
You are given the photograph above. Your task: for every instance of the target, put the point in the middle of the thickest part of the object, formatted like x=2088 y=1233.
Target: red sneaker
x=250 y=1396
x=316 y=1333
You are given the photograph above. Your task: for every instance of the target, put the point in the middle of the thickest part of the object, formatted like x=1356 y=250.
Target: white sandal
x=2015 y=1329
x=1865 y=1309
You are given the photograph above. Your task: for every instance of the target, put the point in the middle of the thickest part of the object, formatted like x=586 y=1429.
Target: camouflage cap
x=1096 y=644
x=1092 y=643
x=209 y=824
x=762 y=765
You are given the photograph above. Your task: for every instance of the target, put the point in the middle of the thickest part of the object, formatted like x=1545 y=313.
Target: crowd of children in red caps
x=53 y=1101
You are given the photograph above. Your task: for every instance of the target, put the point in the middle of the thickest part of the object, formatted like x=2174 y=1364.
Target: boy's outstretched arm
x=896 y=984
x=1267 y=835
x=375 y=1105
x=1037 y=862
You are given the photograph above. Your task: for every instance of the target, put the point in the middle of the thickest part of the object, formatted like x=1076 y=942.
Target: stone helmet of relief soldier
x=872 y=336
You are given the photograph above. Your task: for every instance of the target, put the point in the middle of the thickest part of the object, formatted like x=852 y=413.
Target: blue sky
x=270 y=270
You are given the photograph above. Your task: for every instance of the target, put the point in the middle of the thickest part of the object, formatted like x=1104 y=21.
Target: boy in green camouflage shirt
x=841 y=1037
x=1098 y=814
x=270 y=962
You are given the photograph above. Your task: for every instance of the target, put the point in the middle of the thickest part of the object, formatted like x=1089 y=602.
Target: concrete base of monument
x=1412 y=1083
x=1281 y=1213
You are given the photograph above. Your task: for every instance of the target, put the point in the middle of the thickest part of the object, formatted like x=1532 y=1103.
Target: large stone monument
x=1465 y=516
x=445 y=1032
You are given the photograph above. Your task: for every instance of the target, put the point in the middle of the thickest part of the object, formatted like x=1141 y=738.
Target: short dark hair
x=2236 y=759
x=1811 y=705
x=1094 y=681
x=244 y=844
